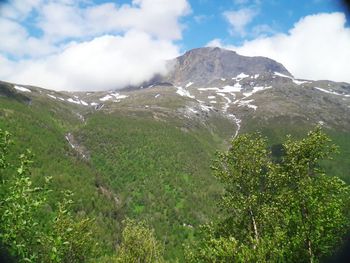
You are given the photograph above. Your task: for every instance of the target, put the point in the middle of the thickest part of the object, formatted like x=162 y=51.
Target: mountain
x=146 y=152
x=203 y=65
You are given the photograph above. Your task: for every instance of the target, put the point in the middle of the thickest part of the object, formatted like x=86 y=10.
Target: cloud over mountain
x=317 y=47
x=77 y=46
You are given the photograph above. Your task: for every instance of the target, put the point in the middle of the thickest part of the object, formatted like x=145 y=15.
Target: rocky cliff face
x=204 y=65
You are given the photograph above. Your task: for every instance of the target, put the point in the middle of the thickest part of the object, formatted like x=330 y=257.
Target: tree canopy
x=24 y=234
x=286 y=211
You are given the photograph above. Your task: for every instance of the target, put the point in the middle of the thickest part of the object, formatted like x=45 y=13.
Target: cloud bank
x=317 y=47
x=73 y=45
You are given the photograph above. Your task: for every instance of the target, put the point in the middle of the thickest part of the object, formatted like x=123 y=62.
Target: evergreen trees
x=271 y=212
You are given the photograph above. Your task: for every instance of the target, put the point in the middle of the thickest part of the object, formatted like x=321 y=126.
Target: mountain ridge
x=206 y=64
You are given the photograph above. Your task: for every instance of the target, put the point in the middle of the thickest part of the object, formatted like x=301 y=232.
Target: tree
x=23 y=233
x=70 y=239
x=139 y=244
x=316 y=220
x=19 y=203
x=245 y=230
x=288 y=211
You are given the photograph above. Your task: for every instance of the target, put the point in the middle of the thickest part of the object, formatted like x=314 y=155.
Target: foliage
x=22 y=231
x=158 y=172
x=210 y=248
x=276 y=129
x=42 y=127
x=4 y=144
x=18 y=207
x=288 y=211
x=154 y=169
x=139 y=244
x=316 y=222
x=145 y=164
x=70 y=239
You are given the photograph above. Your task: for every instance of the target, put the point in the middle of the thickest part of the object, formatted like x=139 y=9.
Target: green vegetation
x=284 y=211
x=153 y=165
x=288 y=211
x=138 y=166
x=42 y=128
x=24 y=234
x=157 y=171
x=139 y=244
x=276 y=129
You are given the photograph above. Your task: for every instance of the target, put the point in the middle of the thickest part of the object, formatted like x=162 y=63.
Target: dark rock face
x=203 y=65
x=6 y=90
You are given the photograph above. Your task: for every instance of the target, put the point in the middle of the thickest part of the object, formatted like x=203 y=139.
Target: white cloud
x=79 y=45
x=317 y=47
x=12 y=35
x=216 y=42
x=156 y=17
x=239 y=20
x=107 y=62
x=7 y=66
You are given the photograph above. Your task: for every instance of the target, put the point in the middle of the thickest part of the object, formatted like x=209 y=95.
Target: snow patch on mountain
x=332 y=92
x=299 y=82
x=296 y=81
x=74 y=101
x=237 y=121
x=118 y=96
x=203 y=106
x=235 y=88
x=226 y=89
x=23 y=89
x=240 y=76
x=246 y=103
x=115 y=96
x=281 y=75
x=105 y=98
x=255 y=90
x=192 y=110
x=184 y=93
x=52 y=96
x=227 y=103
x=189 y=84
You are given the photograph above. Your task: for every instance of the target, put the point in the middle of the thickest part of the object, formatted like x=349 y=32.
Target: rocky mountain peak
x=203 y=65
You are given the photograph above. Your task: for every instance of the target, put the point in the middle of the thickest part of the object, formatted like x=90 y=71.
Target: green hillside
x=145 y=163
x=137 y=166
x=276 y=130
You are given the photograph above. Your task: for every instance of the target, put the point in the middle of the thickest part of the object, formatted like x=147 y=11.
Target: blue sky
x=105 y=44
x=208 y=22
